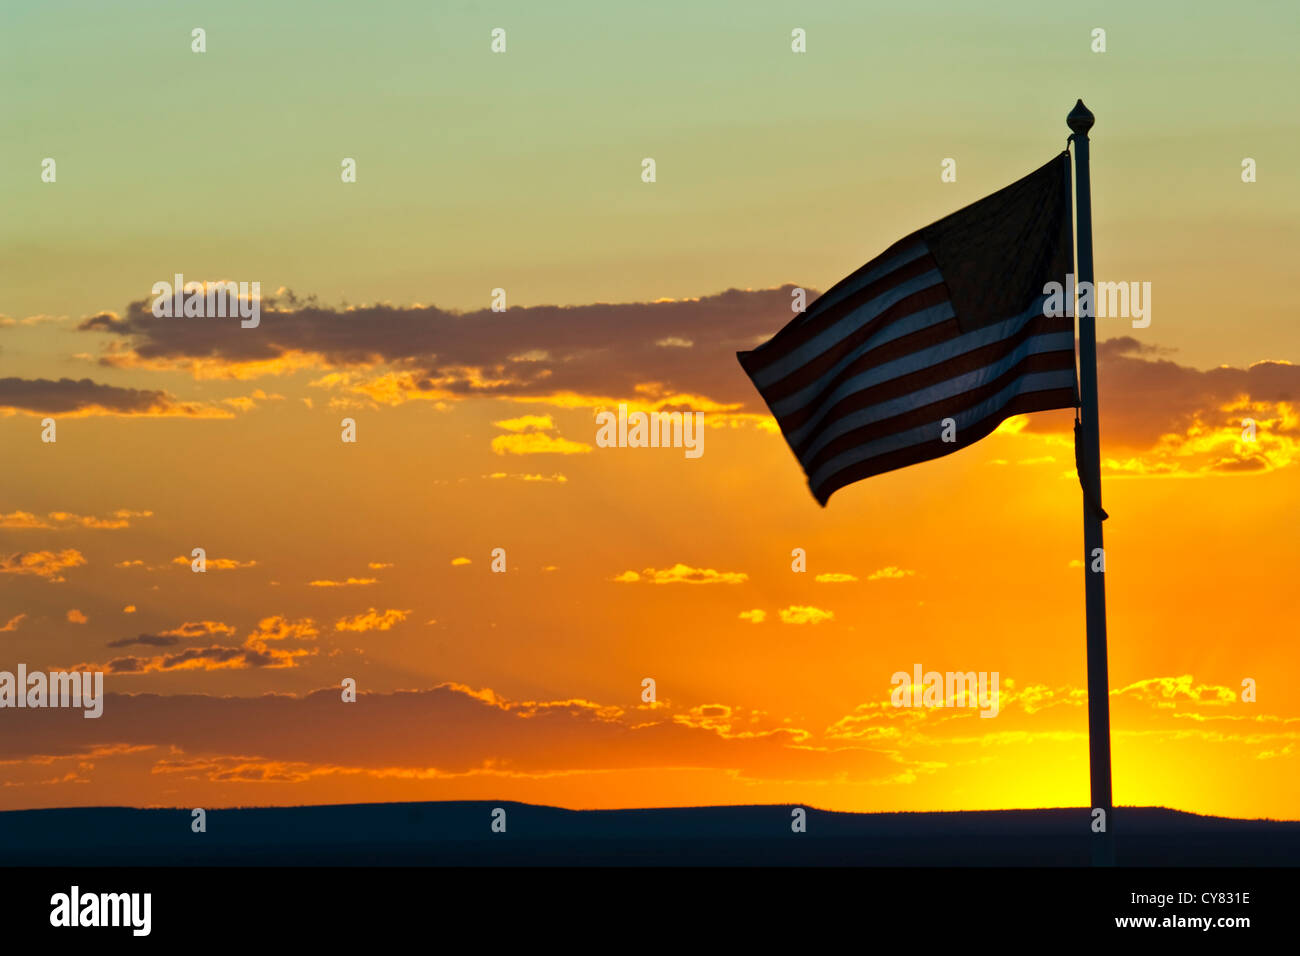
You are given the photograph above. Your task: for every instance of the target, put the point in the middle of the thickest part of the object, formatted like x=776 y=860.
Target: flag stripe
x=892 y=272
x=1033 y=401
x=949 y=356
x=828 y=340
x=932 y=429
x=891 y=260
x=934 y=404
x=918 y=312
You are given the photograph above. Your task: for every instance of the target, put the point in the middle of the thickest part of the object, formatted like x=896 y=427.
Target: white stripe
x=835 y=295
x=924 y=319
x=1034 y=382
x=829 y=338
x=967 y=381
x=916 y=361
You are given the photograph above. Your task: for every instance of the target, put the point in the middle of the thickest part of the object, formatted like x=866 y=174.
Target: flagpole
x=1087 y=439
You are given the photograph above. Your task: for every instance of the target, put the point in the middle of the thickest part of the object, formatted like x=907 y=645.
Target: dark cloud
x=449 y=727
x=596 y=349
x=207 y=658
x=608 y=350
x=82 y=396
x=150 y=640
x=1144 y=396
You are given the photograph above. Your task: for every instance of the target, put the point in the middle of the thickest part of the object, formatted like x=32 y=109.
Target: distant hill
x=459 y=834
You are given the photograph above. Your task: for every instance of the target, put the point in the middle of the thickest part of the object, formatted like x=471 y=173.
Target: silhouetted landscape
x=460 y=834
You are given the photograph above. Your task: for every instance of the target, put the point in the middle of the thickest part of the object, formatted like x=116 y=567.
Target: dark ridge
x=460 y=834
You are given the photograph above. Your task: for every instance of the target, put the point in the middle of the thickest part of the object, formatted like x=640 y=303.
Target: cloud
x=683 y=574
x=22 y=519
x=12 y=624
x=349 y=583
x=215 y=564
x=246 y=403
x=64 y=519
x=370 y=621
x=274 y=643
x=890 y=573
x=45 y=564
x=72 y=398
x=190 y=629
x=1158 y=417
x=76 y=617
x=527 y=423
x=211 y=658
x=529 y=435
x=756 y=616
x=148 y=640
x=280 y=628
x=404 y=734
x=804 y=614
x=568 y=356
x=1162 y=419
x=834 y=577
x=460 y=562
x=6 y=322
x=555 y=478
x=281 y=737
x=129 y=609
x=1166 y=692
x=536 y=443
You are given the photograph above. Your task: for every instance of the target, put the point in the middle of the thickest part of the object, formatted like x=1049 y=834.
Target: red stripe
x=1021 y=404
x=815 y=322
x=914 y=381
x=937 y=411
x=808 y=373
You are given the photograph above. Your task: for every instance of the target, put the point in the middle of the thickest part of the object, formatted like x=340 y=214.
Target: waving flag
x=931 y=345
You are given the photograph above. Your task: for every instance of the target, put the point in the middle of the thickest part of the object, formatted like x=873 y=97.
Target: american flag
x=945 y=324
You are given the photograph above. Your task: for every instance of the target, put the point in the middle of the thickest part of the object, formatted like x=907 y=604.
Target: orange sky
x=372 y=560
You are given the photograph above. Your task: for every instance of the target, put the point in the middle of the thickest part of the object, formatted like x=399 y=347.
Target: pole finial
x=1080 y=119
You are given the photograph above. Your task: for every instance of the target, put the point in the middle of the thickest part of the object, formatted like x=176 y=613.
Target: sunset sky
x=476 y=429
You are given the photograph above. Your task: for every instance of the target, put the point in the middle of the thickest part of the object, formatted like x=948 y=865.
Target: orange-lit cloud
x=890 y=573
x=804 y=614
x=555 y=478
x=371 y=621
x=46 y=564
x=682 y=574
x=217 y=564
x=276 y=642
x=401 y=735
x=190 y=629
x=530 y=435
x=835 y=577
